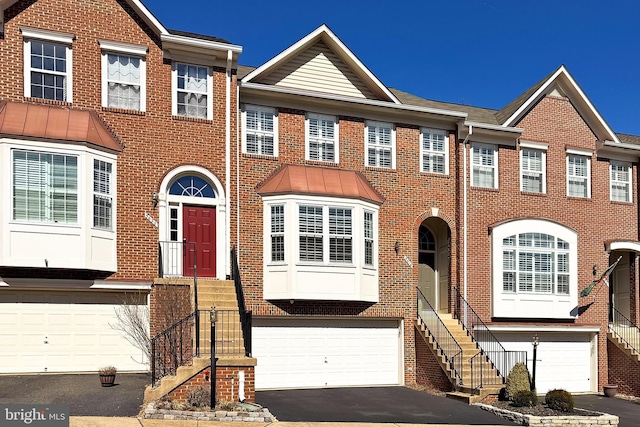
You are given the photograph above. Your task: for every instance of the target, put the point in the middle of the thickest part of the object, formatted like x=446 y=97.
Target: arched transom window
x=192 y=186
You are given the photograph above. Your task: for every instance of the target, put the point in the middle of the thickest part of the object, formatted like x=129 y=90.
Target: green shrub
x=517 y=380
x=525 y=398
x=199 y=397
x=560 y=400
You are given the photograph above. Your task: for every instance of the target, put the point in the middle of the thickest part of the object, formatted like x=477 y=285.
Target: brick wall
x=227 y=384
x=623 y=371
x=428 y=370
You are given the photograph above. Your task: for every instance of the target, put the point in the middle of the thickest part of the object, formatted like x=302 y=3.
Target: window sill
x=438 y=175
x=586 y=199
x=490 y=189
x=321 y=163
x=380 y=169
x=48 y=101
x=191 y=119
x=259 y=156
x=532 y=193
x=619 y=202
x=124 y=111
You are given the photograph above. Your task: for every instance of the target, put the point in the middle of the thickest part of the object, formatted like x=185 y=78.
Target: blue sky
x=475 y=52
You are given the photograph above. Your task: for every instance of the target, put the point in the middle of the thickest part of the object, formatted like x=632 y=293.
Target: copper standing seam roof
x=54 y=122
x=319 y=181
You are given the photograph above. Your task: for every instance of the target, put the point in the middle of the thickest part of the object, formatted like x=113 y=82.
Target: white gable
x=319 y=69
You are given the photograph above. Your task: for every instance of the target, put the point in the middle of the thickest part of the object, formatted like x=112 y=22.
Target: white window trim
x=29 y=34
x=495 y=167
x=376 y=146
x=275 y=128
x=129 y=50
x=579 y=153
x=446 y=150
x=543 y=172
x=174 y=89
x=528 y=304
x=336 y=133
x=629 y=182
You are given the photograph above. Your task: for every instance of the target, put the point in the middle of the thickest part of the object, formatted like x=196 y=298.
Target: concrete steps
x=469 y=350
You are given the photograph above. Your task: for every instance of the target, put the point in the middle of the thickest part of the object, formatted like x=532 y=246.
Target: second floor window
x=532 y=170
x=620 y=181
x=260 y=130
x=484 y=166
x=434 y=150
x=192 y=86
x=380 y=145
x=578 y=176
x=124 y=81
x=322 y=138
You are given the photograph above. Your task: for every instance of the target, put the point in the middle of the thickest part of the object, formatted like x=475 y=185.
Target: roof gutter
x=200 y=44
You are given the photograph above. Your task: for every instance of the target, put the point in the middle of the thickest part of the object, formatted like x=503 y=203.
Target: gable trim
x=582 y=101
x=323 y=32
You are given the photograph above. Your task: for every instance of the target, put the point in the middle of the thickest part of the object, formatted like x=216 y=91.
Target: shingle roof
x=54 y=122
x=319 y=181
x=198 y=36
x=629 y=139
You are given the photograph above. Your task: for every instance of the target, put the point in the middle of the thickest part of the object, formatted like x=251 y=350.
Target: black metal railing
x=497 y=359
x=178 y=259
x=174 y=347
x=246 y=317
x=625 y=330
x=445 y=342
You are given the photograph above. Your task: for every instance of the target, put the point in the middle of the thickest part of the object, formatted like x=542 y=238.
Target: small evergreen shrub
x=517 y=380
x=199 y=397
x=560 y=400
x=525 y=398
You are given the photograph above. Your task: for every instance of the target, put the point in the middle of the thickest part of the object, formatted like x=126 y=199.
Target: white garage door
x=563 y=359
x=63 y=332
x=295 y=353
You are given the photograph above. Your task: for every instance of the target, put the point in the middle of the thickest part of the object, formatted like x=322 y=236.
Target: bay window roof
x=319 y=181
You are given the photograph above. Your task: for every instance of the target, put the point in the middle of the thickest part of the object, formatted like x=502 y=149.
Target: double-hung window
x=532 y=170
x=368 y=238
x=192 y=94
x=320 y=224
x=277 y=233
x=434 y=151
x=102 y=194
x=311 y=233
x=484 y=166
x=322 y=138
x=620 y=181
x=578 y=175
x=45 y=187
x=123 y=76
x=380 y=145
x=535 y=263
x=340 y=235
x=260 y=130
x=47 y=65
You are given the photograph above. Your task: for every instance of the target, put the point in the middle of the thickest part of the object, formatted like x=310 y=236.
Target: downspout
x=227 y=162
x=238 y=151
x=464 y=216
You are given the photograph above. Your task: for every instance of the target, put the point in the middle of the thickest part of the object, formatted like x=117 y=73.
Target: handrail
x=246 y=317
x=442 y=337
x=625 y=329
x=175 y=259
x=174 y=347
x=501 y=360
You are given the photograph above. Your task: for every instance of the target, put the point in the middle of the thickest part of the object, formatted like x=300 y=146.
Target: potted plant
x=610 y=390
x=107 y=375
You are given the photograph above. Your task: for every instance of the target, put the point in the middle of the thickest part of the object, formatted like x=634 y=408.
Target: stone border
x=263 y=415
x=552 y=421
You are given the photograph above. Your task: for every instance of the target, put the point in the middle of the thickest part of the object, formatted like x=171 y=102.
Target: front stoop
x=185 y=374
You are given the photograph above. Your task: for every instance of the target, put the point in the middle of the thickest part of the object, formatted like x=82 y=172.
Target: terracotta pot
x=610 y=390
x=107 y=380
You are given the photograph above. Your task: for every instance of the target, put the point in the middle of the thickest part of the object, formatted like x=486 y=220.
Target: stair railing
x=174 y=347
x=492 y=364
x=246 y=317
x=445 y=342
x=625 y=330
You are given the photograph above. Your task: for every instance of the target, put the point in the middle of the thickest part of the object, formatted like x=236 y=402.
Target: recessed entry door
x=199 y=227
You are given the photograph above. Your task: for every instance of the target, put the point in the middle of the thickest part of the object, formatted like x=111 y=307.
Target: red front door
x=199 y=227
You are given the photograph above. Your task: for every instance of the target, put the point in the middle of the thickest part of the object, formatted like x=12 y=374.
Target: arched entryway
x=192 y=209
x=434 y=254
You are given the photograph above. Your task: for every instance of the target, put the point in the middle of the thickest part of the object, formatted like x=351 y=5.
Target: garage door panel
x=325 y=353
x=72 y=334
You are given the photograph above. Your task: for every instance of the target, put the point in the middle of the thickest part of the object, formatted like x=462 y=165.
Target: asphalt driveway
x=82 y=392
x=372 y=405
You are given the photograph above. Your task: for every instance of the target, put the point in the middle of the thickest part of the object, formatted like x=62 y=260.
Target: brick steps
x=626 y=348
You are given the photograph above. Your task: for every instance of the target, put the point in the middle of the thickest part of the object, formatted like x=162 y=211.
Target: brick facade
x=227 y=384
